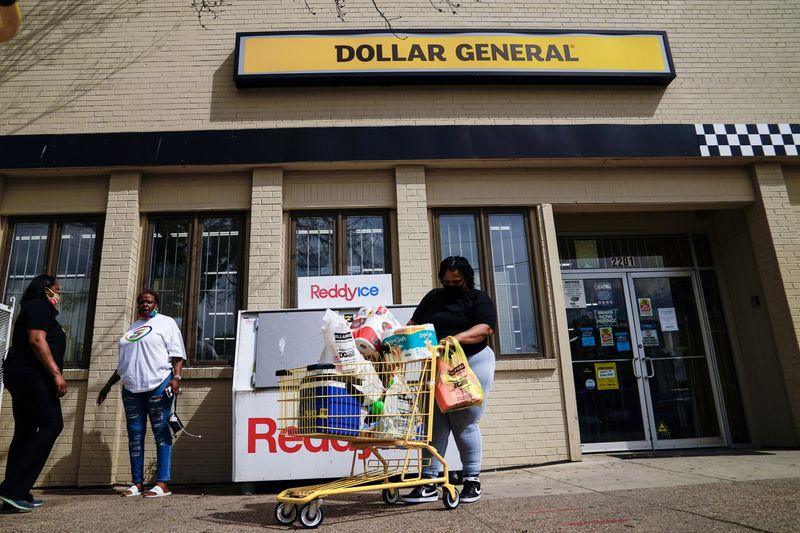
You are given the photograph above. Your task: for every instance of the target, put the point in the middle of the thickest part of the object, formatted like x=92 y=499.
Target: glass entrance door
x=605 y=363
x=672 y=344
x=640 y=362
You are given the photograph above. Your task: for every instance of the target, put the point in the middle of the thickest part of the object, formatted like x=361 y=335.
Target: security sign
x=378 y=57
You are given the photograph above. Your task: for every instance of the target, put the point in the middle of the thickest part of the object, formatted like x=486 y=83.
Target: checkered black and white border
x=748 y=139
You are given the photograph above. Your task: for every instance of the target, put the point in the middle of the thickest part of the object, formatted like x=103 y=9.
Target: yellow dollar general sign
x=316 y=58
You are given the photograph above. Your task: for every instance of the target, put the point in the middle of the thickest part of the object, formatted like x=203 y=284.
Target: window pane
x=652 y=251
x=28 y=250
x=74 y=274
x=314 y=246
x=169 y=265
x=220 y=263
x=458 y=236
x=365 y=245
x=516 y=313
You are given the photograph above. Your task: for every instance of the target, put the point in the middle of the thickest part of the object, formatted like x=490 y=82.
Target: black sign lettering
x=464 y=52
x=344 y=53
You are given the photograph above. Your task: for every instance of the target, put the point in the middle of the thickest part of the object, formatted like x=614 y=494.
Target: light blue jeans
x=155 y=405
x=463 y=423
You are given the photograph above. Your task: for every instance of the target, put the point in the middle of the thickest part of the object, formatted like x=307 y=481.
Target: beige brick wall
x=590 y=188
x=40 y=195
x=413 y=234
x=524 y=420
x=775 y=231
x=265 y=270
x=352 y=189
x=159 y=70
x=116 y=290
x=205 y=192
x=763 y=390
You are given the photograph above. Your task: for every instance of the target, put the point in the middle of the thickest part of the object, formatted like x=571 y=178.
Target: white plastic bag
x=350 y=361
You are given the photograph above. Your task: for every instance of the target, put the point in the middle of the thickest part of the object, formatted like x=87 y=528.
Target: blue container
x=327 y=405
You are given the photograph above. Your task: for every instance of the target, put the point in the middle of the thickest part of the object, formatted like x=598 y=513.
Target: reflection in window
x=195 y=265
x=71 y=260
x=314 y=246
x=458 y=236
x=28 y=250
x=220 y=260
x=169 y=265
x=74 y=274
x=516 y=313
x=365 y=245
x=504 y=270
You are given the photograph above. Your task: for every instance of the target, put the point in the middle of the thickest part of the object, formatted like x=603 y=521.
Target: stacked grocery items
x=368 y=377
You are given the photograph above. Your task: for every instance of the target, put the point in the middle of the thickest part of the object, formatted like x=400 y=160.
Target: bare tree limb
x=208 y=7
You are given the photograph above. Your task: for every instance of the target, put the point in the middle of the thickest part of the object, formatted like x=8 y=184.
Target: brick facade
x=158 y=70
x=774 y=223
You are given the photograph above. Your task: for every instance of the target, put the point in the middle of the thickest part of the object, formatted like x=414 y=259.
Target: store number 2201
x=622 y=261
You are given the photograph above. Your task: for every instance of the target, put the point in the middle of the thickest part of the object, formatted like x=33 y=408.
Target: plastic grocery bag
x=457 y=387
x=340 y=344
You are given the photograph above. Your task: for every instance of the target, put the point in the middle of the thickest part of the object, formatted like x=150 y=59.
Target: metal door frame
x=723 y=439
x=638 y=369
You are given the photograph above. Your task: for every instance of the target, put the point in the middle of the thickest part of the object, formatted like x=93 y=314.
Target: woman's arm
x=37 y=339
x=101 y=397
x=474 y=335
x=177 y=379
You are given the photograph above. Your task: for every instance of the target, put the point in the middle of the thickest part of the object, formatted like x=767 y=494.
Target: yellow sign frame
x=322 y=58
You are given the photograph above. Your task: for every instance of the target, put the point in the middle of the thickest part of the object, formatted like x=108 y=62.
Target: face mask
x=144 y=315
x=453 y=290
x=52 y=297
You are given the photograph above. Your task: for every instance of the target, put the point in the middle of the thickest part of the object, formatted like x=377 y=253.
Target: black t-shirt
x=451 y=315
x=41 y=315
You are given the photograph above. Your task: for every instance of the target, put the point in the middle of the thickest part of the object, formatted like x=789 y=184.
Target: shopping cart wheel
x=308 y=520
x=285 y=514
x=391 y=496
x=450 y=502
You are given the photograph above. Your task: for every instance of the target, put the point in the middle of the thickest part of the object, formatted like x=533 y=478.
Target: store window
x=195 y=266
x=497 y=246
x=338 y=244
x=68 y=248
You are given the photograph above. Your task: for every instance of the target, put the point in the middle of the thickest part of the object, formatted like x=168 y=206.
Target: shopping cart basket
x=374 y=406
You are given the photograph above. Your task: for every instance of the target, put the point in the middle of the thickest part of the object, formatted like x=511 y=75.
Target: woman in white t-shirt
x=151 y=357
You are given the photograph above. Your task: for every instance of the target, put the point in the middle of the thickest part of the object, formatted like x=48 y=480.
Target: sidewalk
x=711 y=490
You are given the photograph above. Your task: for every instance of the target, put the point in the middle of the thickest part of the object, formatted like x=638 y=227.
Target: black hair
x=151 y=292
x=456 y=262
x=36 y=288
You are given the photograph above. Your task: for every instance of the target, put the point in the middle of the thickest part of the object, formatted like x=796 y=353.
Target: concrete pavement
x=700 y=490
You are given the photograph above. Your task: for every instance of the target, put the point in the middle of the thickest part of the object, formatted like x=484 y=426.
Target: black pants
x=37 y=424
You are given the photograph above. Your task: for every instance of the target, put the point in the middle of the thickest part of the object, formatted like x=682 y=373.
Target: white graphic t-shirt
x=146 y=351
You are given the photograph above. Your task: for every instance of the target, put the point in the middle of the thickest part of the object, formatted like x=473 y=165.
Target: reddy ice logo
x=316 y=292
x=344 y=291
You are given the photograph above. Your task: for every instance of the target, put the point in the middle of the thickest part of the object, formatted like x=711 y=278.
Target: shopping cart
x=374 y=406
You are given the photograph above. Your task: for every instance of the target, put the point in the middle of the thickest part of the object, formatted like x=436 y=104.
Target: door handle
x=635 y=364
x=652 y=371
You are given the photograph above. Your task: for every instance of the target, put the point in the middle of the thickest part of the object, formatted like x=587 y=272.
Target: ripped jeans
x=157 y=407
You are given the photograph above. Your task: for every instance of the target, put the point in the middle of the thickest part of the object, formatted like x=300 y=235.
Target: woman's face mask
x=52 y=296
x=454 y=283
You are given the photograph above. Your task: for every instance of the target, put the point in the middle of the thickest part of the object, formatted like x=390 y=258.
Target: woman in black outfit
x=32 y=374
x=459 y=310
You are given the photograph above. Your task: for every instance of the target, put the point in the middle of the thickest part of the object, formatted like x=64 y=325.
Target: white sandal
x=133 y=490
x=157 y=492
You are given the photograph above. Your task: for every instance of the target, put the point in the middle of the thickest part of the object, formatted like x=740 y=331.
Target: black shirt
x=41 y=315
x=451 y=315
